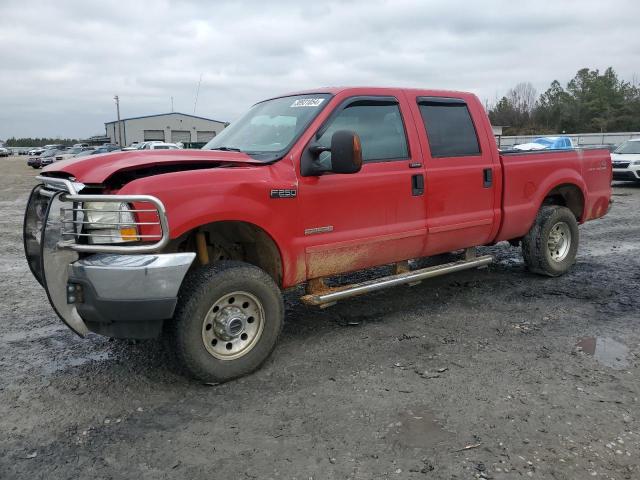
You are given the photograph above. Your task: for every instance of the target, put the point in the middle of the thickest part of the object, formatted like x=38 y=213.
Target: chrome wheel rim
x=233 y=325
x=559 y=241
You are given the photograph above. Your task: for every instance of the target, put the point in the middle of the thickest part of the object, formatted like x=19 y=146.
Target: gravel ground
x=492 y=373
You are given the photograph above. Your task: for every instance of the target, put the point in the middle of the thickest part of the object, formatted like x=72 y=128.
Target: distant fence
x=578 y=139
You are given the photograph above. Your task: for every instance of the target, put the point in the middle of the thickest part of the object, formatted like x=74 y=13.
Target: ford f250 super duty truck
x=198 y=245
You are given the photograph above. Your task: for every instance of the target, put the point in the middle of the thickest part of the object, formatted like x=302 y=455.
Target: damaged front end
x=97 y=258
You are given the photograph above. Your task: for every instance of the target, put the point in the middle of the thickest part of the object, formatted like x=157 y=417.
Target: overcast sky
x=61 y=62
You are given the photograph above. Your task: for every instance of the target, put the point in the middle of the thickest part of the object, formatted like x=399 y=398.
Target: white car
x=4 y=152
x=141 y=145
x=626 y=161
x=160 y=146
x=34 y=152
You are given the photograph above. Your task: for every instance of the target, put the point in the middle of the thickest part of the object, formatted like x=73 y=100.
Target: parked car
x=142 y=145
x=105 y=149
x=133 y=146
x=85 y=145
x=161 y=146
x=58 y=146
x=4 y=152
x=546 y=143
x=45 y=158
x=71 y=152
x=626 y=161
x=302 y=188
x=34 y=152
x=85 y=152
x=49 y=156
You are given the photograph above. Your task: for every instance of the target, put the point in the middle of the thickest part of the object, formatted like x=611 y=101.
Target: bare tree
x=522 y=97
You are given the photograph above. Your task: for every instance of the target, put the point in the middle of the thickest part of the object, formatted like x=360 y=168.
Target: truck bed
x=529 y=177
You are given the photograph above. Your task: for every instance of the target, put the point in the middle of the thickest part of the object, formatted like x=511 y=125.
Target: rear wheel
x=227 y=321
x=551 y=245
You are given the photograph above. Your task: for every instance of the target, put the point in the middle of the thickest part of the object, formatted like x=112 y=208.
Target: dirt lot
x=475 y=375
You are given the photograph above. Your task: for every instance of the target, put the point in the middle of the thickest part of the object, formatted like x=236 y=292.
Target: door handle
x=417 y=185
x=487 y=177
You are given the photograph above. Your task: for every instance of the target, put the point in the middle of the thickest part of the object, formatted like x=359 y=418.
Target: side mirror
x=346 y=152
x=346 y=156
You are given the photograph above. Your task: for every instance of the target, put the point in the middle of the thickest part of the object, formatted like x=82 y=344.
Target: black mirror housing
x=346 y=152
x=346 y=156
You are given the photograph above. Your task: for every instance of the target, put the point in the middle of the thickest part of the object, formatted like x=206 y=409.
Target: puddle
x=606 y=350
x=417 y=428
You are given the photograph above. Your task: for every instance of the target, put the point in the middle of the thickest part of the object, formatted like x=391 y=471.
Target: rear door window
x=449 y=127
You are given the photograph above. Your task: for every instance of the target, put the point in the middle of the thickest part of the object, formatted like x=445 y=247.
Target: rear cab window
x=450 y=129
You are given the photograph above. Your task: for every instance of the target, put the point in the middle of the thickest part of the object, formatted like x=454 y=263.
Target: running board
x=332 y=295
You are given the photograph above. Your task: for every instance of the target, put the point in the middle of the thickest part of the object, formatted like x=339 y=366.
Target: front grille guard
x=73 y=219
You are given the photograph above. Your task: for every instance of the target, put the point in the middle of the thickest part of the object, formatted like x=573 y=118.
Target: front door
x=375 y=216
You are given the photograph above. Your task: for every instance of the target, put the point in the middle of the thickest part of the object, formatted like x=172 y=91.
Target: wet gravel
x=493 y=373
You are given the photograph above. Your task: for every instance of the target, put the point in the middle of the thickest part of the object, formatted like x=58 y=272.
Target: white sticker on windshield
x=307 y=102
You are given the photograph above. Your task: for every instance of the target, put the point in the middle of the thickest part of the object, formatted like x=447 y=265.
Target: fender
x=242 y=194
x=520 y=208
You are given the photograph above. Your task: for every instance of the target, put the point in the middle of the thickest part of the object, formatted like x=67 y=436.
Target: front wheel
x=551 y=245
x=227 y=321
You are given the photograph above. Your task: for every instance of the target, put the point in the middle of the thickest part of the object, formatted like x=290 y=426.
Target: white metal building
x=166 y=127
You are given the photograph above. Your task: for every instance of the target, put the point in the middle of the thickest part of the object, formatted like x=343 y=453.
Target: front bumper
x=127 y=296
x=627 y=173
x=115 y=290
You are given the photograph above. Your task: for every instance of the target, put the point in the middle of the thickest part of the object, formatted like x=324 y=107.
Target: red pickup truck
x=199 y=244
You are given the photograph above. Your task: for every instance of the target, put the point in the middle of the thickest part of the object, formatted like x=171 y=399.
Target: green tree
x=591 y=102
x=39 y=142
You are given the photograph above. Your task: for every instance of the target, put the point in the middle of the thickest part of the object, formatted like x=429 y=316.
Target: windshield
x=49 y=153
x=629 y=147
x=269 y=128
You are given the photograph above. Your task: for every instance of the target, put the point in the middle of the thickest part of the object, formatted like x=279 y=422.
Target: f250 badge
x=283 y=193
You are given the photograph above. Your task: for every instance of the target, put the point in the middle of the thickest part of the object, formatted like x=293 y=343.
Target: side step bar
x=332 y=295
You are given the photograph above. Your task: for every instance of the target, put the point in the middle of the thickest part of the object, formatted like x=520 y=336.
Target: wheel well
x=235 y=240
x=569 y=196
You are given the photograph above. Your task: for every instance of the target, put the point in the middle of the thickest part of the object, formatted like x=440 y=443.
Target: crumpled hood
x=95 y=169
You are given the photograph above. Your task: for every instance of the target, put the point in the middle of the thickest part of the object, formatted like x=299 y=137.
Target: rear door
x=375 y=216
x=462 y=200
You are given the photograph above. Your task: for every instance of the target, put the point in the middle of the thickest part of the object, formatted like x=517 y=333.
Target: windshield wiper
x=227 y=149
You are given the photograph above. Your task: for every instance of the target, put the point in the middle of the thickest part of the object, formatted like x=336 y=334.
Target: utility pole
x=195 y=104
x=119 y=123
x=171 y=104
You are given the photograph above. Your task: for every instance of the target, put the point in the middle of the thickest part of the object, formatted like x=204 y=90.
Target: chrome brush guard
x=54 y=237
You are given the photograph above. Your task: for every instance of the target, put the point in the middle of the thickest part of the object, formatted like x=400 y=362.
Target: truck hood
x=96 y=169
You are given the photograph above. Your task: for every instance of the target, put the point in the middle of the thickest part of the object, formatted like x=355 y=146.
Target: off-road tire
x=200 y=290
x=535 y=249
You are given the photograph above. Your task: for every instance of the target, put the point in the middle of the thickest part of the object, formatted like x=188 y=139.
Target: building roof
x=165 y=114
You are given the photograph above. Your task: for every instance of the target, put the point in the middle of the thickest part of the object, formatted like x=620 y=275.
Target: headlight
x=110 y=222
